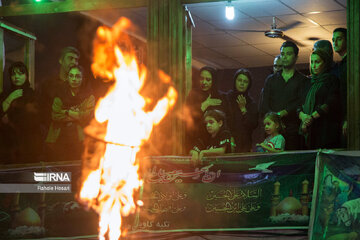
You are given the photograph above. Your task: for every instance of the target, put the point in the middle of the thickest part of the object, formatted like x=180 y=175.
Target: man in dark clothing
x=277 y=66
x=284 y=92
x=69 y=58
x=339 y=44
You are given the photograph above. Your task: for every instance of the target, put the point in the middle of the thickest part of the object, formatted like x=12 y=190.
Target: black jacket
x=242 y=125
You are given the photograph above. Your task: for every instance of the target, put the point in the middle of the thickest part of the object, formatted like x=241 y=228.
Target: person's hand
x=241 y=101
x=15 y=95
x=315 y=115
x=210 y=102
x=303 y=128
x=75 y=114
x=306 y=119
x=260 y=144
x=195 y=158
x=213 y=101
x=282 y=113
x=201 y=156
x=12 y=96
x=345 y=128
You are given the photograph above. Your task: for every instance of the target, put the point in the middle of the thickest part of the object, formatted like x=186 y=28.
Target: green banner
x=234 y=192
x=267 y=191
x=336 y=204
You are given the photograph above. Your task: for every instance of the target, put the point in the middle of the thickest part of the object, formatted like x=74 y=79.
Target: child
x=275 y=142
x=219 y=141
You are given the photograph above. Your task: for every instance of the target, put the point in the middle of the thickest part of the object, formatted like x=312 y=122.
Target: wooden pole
x=29 y=60
x=2 y=59
x=169 y=51
x=353 y=72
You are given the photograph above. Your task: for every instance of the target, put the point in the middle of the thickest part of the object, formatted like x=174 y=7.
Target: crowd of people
x=46 y=125
x=298 y=112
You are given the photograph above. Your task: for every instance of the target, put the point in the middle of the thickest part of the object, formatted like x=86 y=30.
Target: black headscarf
x=64 y=93
x=26 y=85
x=317 y=81
x=245 y=72
x=213 y=90
x=28 y=93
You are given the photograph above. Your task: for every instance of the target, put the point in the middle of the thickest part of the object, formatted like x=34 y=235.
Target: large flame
x=109 y=188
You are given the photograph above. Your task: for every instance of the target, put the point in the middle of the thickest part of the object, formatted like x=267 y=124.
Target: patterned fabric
x=222 y=139
x=277 y=142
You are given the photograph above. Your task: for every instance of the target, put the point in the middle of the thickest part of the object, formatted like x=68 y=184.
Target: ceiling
x=229 y=49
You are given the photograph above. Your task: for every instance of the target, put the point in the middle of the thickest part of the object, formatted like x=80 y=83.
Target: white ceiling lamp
x=229 y=11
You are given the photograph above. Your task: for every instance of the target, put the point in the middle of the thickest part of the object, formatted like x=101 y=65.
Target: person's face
x=270 y=126
x=212 y=126
x=288 y=57
x=18 y=78
x=317 y=64
x=69 y=60
x=205 y=80
x=277 y=65
x=242 y=83
x=75 y=78
x=339 y=42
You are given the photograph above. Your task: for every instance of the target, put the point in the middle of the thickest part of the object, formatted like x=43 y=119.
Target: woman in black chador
x=198 y=101
x=243 y=112
x=20 y=126
x=319 y=113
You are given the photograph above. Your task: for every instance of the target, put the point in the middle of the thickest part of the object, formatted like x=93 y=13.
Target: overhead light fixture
x=229 y=11
x=313 y=22
x=316 y=12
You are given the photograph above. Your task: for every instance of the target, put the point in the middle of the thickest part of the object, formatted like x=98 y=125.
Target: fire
x=109 y=187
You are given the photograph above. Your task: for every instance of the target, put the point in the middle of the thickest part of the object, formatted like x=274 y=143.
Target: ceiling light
x=316 y=12
x=313 y=22
x=229 y=11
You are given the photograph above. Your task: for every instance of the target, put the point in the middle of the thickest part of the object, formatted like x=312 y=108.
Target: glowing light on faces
x=317 y=64
x=18 y=78
x=69 y=60
x=339 y=42
x=277 y=65
x=75 y=78
x=205 y=80
x=242 y=83
x=288 y=57
x=212 y=126
x=270 y=126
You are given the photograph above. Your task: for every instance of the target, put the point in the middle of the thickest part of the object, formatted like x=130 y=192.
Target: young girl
x=275 y=142
x=219 y=140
